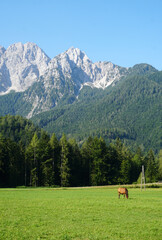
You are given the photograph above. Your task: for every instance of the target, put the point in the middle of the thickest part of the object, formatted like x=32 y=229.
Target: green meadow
x=80 y=213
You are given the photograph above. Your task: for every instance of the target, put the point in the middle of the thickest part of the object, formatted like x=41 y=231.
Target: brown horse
x=123 y=191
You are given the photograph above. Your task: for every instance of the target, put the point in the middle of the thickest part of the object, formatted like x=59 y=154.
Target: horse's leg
x=118 y=195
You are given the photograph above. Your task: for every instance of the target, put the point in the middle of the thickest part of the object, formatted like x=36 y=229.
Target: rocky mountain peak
x=21 y=65
x=16 y=47
x=73 y=53
x=28 y=52
x=78 y=57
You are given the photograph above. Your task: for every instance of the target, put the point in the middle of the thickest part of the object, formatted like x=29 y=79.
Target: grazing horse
x=123 y=191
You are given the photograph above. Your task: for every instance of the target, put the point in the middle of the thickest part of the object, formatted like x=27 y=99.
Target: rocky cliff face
x=46 y=82
x=20 y=66
x=2 y=50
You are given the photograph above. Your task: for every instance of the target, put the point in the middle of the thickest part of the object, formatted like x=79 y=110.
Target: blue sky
x=125 y=32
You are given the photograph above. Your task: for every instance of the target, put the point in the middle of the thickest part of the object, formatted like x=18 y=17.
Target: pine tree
x=137 y=162
x=31 y=160
x=43 y=159
x=99 y=164
x=160 y=165
x=11 y=163
x=94 y=153
x=87 y=157
x=113 y=165
x=75 y=163
x=4 y=163
x=124 y=162
x=65 y=170
x=16 y=167
x=151 y=170
x=55 y=156
x=48 y=173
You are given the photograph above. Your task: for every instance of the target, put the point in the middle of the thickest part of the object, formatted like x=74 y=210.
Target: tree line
x=48 y=161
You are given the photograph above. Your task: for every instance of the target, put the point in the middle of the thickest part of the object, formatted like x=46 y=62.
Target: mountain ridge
x=46 y=82
x=70 y=93
x=21 y=65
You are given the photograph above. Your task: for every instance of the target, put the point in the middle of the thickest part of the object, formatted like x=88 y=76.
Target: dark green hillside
x=21 y=103
x=14 y=104
x=130 y=110
x=142 y=69
x=18 y=129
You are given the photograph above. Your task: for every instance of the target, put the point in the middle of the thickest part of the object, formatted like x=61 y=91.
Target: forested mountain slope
x=130 y=110
x=71 y=94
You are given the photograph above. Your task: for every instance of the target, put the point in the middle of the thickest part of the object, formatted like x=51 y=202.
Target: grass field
x=83 y=213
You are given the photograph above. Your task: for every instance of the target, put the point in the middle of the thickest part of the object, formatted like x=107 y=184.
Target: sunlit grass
x=90 y=213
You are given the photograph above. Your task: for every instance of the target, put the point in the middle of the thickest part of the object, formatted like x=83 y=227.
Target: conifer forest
x=29 y=156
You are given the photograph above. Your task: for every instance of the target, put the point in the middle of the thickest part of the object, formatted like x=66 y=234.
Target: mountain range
x=70 y=93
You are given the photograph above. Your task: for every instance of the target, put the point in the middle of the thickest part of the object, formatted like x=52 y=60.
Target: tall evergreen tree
x=99 y=164
x=87 y=156
x=160 y=165
x=113 y=164
x=76 y=165
x=118 y=148
x=11 y=163
x=96 y=160
x=44 y=163
x=126 y=164
x=31 y=160
x=4 y=162
x=137 y=162
x=55 y=150
x=16 y=167
x=65 y=170
x=151 y=170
